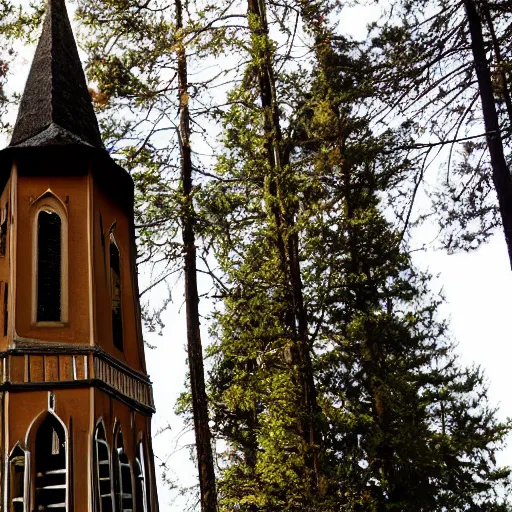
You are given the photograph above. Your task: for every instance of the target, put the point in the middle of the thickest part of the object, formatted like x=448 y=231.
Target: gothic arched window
x=124 y=477
x=17 y=480
x=4 y=222
x=51 y=490
x=102 y=467
x=141 y=480
x=115 y=294
x=49 y=252
x=50 y=260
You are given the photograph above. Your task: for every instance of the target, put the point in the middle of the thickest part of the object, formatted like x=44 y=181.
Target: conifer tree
x=390 y=392
x=195 y=350
x=150 y=43
x=334 y=385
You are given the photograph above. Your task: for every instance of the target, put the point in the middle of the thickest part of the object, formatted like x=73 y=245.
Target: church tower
x=75 y=398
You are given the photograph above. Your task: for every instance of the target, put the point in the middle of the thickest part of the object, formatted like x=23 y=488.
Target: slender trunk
x=499 y=60
x=500 y=173
x=287 y=239
x=195 y=352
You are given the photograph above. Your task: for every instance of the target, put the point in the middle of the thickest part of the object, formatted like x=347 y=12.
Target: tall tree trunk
x=287 y=239
x=500 y=173
x=195 y=352
x=499 y=59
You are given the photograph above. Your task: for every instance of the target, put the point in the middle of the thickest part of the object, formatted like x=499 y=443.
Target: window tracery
x=51 y=489
x=141 y=480
x=50 y=259
x=124 y=490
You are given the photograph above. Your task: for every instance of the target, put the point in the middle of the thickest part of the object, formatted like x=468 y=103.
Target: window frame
x=51 y=203
x=141 y=463
x=26 y=471
x=112 y=241
x=31 y=457
x=118 y=482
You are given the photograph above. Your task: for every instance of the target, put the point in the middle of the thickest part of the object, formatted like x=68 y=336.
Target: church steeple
x=56 y=105
x=75 y=397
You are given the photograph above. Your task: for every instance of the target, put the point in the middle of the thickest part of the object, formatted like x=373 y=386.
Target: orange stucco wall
x=29 y=370
x=82 y=198
x=79 y=410
x=72 y=191
x=111 y=213
x=25 y=411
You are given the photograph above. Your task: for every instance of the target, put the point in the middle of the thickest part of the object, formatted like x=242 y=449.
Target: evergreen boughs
x=333 y=384
x=397 y=412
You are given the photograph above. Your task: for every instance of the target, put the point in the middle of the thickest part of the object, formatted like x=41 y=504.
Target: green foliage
x=404 y=426
x=309 y=177
x=15 y=23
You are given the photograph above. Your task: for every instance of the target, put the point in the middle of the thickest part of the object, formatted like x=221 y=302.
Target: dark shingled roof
x=56 y=107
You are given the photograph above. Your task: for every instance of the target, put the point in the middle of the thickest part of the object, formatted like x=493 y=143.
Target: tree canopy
x=279 y=162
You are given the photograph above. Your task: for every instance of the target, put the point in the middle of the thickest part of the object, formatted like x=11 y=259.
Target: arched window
x=49 y=252
x=17 y=480
x=51 y=491
x=4 y=222
x=141 y=480
x=124 y=477
x=50 y=260
x=102 y=465
x=115 y=294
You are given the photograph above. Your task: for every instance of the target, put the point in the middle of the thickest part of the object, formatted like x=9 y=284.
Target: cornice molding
x=32 y=365
x=23 y=346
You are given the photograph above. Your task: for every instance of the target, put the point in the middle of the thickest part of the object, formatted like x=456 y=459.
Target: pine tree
x=144 y=45
x=195 y=351
x=390 y=391
x=382 y=416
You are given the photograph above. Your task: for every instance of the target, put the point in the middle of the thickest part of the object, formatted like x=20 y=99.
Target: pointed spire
x=56 y=106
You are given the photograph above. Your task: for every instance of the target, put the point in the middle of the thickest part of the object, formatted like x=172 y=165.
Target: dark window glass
x=48 y=266
x=104 y=481
x=115 y=296
x=6 y=308
x=17 y=480
x=124 y=478
x=51 y=489
x=3 y=230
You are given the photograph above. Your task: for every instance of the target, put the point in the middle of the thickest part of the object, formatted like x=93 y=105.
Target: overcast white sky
x=477 y=287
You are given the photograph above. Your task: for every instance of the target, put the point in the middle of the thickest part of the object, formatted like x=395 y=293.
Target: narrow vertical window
x=3 y=229
x=50 y=467
x=49 y=247
x=141 y=480
x=6 y=308
x=103 y=478
x=115 y=295
x=124 y=478
x=17 y=480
